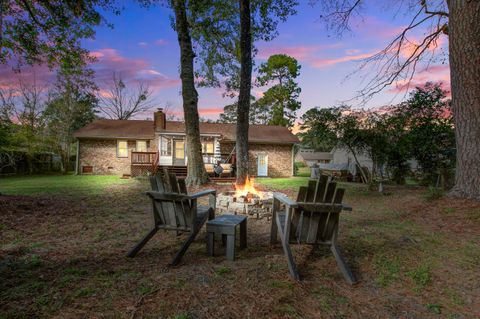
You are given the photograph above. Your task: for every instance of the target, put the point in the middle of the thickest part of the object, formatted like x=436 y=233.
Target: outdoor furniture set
x=312 y=219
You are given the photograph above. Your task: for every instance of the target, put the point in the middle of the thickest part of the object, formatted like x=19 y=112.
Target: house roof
x=111 y=129
x=312 y=156
x=135 y=129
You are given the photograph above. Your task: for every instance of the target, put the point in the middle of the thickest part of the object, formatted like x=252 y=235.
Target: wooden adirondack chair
x=312 y=219
x=174 y=209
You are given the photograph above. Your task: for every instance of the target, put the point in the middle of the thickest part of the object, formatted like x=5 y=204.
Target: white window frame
x=118 y=148
x=136 y=146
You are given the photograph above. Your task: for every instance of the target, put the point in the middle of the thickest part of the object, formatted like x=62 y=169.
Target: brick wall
x=279 y=158
x=102 y=156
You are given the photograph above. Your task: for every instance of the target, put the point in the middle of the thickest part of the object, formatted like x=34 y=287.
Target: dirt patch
x=21 y=212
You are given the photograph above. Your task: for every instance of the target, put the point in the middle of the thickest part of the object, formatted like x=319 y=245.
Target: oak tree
x=459 y=21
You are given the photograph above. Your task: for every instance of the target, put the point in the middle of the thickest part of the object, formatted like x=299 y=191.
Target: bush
x=300 y=164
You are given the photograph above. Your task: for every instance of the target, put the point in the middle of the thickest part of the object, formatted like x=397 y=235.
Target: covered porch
x=172 y=154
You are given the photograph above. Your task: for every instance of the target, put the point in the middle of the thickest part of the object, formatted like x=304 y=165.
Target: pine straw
x=64 y=257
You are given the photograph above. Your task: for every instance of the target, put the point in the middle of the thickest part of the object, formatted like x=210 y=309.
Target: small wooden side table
x=226 y=225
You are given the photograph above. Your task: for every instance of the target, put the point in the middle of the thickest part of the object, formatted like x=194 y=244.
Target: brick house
x=131 y=147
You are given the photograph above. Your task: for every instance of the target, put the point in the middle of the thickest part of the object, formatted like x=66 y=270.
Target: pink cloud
x=161 y=42
x=352 y=51
x=40 y=75
x=435 y=73
x=132 y=70
x=210 y=110
x=257 y=93
x=320 y=63
x=202 y=111
x=302 y=52
x=373 y=27
x=298 y=52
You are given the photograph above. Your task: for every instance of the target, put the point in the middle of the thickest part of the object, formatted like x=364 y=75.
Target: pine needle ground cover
x=64 y=239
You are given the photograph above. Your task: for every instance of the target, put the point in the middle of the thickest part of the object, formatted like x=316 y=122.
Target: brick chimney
x=159 y=120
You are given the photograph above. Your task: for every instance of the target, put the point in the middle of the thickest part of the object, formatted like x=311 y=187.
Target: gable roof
x=112 y=129
x=136 y=129
x=313 y=156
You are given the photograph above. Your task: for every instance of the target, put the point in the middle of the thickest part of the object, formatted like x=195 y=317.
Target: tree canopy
x=280 y=71
x=35 y=32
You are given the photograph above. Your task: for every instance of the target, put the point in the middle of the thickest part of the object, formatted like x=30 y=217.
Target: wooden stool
x=226 y=225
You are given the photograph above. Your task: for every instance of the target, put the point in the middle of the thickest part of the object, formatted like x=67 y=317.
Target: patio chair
x=210 y=168
x=227 y=169
x=312 y=219
x=175 y=210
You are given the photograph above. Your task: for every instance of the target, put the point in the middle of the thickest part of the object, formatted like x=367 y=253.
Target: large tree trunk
x=464 y=46
x=196 y=170
x=243 y=108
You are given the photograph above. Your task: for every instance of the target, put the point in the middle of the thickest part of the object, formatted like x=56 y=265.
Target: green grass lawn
x=60 y=184
x=96 y=184
x=288 y=183
x=303 y=171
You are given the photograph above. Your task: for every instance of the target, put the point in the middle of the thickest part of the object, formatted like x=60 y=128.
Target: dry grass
x=63 y=256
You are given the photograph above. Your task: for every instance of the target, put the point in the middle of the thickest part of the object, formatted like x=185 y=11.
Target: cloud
x=352 y=51
x=310 y=54
x=434 y=73
x=321 y=63
x=143 y=44
x=298 y=52
x=38 y=75
x=301 y=52
x=161 y=42
x=257 y=93
x=132 y=70
x=205 y=111
x=374 y=28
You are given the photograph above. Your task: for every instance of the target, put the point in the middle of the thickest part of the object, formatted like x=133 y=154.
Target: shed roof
x=137 y=129
x=313 y=156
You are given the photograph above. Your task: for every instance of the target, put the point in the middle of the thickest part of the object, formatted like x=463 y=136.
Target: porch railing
x=151 y=158
x=143 y=158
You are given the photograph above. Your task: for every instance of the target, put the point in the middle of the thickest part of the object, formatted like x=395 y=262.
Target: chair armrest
x=285 y=200
x=179 y=197
x=202 y=194
x=320 y=207
x=347 y=207
x=166 y=196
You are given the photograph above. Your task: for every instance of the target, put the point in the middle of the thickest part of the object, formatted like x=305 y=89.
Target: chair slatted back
x=169 y=213
x=316 y=226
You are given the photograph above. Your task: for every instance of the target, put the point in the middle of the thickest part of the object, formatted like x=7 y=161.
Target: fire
x=249 y=187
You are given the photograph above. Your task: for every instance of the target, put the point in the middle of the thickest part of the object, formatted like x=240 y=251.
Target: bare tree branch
x=397 y=63
x=120 y=103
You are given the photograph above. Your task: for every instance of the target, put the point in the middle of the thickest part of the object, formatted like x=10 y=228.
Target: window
x=208 y=146
x=141 y=146
x=122 y=149
x=179 y=149
x=165 y=146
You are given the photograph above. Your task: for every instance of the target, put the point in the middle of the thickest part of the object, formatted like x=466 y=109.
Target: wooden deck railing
x=151 y=158
x=142 y=158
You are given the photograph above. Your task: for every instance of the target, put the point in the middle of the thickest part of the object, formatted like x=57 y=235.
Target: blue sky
x=143 y=46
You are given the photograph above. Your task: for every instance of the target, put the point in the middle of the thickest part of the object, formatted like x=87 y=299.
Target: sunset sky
x=143 y=46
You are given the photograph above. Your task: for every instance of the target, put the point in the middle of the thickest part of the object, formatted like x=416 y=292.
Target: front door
x=179 y=152
x=262 y=164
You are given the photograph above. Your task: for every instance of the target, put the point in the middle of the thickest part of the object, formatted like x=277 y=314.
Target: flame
x=248 y=187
